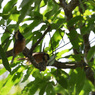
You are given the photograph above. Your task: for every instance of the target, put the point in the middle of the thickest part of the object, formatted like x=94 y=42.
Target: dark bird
x=19 y=44
x=38 y=57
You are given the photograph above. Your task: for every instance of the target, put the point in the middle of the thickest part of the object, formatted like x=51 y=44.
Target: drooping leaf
x=72 y=80
x=17 y=77
x=4 y=59
x=43 y=88
x=88 y=86
x=91 y=53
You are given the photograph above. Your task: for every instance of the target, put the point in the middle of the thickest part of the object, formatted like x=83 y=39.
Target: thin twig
x=51 y=43
x=34 y=46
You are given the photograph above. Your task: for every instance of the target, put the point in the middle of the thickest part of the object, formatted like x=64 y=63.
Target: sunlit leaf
x=14 y=17
x=59 y=54
x=2 y=71
x=6 y=88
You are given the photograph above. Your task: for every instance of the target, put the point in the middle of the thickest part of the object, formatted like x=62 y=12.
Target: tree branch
x=57 y=64
x=86 y=43
x=72 y=5
x=68 y=8
x=65 y=65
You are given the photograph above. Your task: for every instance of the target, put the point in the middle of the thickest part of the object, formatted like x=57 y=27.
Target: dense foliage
x=67 y=26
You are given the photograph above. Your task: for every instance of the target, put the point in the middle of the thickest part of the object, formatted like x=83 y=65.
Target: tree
x=75 y=16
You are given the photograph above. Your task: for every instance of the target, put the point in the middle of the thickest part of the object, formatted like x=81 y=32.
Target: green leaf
x=4 y=59
x=62 y=81
x=87 y=88
x=42 y=3
x=91 y=53
x=32 y=87
x=51 y=10
x=59 y=54
x=37 y=16
x=24 y=11
x=9 y=6
x=27 y=87
x=42 y=90
x=80 y=80
x=24 y=2
x=36 y=73
x=57 y=36
x=74 y=20
x=77 y=57
x=37 y=5
x=2 y=21
x=72 y=80
x=0 y=3
x=5 y=89
x=5 y=36
x=58 y=24
x=84 y=30
x=7 y=45
x=14 y=17
x=91 y=2
x=12 y=27
x=27 y=74
x=75 y=39
x=50 y=89
x=17 y=77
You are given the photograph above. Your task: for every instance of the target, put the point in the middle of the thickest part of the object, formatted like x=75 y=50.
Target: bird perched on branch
x=41 y=59
x=19 y=44
x=38 y=57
